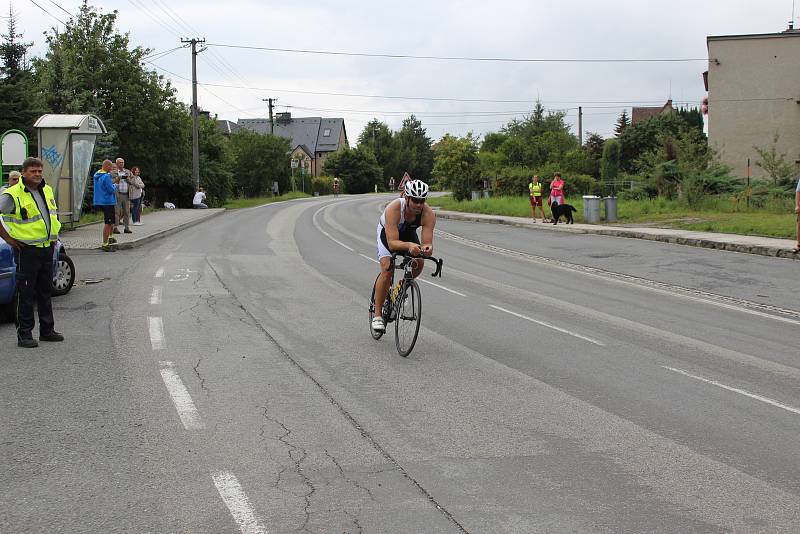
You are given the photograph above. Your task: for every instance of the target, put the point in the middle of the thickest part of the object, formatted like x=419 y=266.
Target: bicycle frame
x=407 y=266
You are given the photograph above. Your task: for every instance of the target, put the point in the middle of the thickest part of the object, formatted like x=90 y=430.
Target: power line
x=43 y=9
x=158 y=55
x=461 y=58
x=61 y=8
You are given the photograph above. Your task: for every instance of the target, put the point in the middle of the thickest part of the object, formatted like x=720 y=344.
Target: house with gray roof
x=313 y=138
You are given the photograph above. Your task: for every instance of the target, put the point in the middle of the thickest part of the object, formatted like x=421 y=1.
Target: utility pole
x=270 y=102
x=195 y=126
x=580 y=126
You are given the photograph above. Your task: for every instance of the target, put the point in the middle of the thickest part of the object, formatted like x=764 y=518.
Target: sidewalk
x=764 y=246
x=155 y=225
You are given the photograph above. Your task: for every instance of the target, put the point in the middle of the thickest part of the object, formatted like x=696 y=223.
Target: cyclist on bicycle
x=397 y=232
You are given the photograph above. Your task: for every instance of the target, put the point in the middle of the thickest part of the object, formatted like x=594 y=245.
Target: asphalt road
x=223 y=379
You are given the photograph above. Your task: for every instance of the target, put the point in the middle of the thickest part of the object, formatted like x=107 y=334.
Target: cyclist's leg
x=385 y=278
x=382 y=285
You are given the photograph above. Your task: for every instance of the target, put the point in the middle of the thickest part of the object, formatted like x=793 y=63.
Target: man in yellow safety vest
x=29 y=218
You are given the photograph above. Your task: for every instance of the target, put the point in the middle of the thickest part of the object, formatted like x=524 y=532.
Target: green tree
x=692 y=116
x=357 y=167
x=377 y=137
x=90 y=68
x=609 y=167
x=648 y=136
x=622 y=123
x=216 y=162
x=492 y=141
x=260 y=160
x=20 y=104
x=456 y=164
x=412 y=151
x=780 y=171
x=594 y=145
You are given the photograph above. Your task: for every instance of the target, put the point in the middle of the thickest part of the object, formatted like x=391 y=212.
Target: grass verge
x=718 y=217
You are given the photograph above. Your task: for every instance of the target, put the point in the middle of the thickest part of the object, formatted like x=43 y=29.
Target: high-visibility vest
x=536 y=189
x=27 y=224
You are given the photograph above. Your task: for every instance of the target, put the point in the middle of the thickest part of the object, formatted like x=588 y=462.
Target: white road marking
x=169 y=256
x=187 y=411
x=237 y=502
x=160 y=272
x=156 y=332
x=373 y=260
x=548 y=325
x=736 y=390
x=441 y=287
x=155 y=296
x=164 y=363
x=329 y=236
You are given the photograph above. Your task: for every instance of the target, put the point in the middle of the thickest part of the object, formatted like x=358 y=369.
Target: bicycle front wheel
x=408 y=308
x=373 y=333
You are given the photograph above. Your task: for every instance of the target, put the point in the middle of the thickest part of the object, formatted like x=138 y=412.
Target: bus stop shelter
x=66 y=146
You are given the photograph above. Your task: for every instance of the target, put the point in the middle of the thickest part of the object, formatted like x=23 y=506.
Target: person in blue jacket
x=105 y=197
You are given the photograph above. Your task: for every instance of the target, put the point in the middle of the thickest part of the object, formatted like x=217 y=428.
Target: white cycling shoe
x=378 y=325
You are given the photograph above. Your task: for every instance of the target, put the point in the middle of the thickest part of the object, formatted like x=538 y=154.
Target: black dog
x=563 y=209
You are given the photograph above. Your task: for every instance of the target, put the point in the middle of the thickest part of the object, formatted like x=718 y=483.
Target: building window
x=326 y=132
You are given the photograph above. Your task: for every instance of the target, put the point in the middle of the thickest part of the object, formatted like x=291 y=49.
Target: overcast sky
x=546 y=30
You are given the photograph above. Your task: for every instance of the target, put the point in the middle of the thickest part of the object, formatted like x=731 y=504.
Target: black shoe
x=115 y=230
x=128 y=231
x=27 y=343
x=51 y=336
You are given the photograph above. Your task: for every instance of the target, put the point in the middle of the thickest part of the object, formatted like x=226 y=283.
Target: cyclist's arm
x=428 y=224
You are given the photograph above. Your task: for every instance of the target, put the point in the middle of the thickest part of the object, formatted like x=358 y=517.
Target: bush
x=324 y=185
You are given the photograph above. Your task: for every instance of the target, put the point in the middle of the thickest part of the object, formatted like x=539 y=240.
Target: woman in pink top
x=557 y=190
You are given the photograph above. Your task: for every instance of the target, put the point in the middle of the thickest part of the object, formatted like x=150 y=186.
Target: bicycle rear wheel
x=373 y=333
x=408 y=316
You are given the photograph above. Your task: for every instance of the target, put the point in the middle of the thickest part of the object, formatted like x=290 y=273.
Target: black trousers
x=34 y=284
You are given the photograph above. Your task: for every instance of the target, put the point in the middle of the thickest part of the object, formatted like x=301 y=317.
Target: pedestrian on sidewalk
x=199 y=197
x=557 y=190
x=30 y=225
x=136 y=194
x=535 y=189
x=797 y=211
x=123 y=210
x=105 y=198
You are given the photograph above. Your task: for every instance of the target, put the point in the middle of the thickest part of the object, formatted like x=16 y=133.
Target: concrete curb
x=761 y=250
x=156 y=235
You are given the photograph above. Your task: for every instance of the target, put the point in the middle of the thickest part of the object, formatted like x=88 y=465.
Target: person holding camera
x=105 y=198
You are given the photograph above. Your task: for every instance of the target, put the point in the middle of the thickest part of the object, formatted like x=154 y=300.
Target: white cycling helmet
x=416 y=189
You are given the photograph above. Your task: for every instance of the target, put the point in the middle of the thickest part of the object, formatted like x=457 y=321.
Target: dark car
x=63 y=276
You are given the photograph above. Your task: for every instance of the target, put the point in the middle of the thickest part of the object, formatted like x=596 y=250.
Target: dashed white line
x=156 y=327
x=736 y=390
x=169 y=256
x=237 y=502
x=187 y=411
x=160 y=272
x=155 y=296
x=441 y=287
x=548 y=325
x=373 y=260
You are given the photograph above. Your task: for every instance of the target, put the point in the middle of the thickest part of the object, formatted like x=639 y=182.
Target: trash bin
x=591 y=209
x=611 y=208
x=476 y=195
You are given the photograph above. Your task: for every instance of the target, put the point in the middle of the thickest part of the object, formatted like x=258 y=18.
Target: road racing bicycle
x=403 y=305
